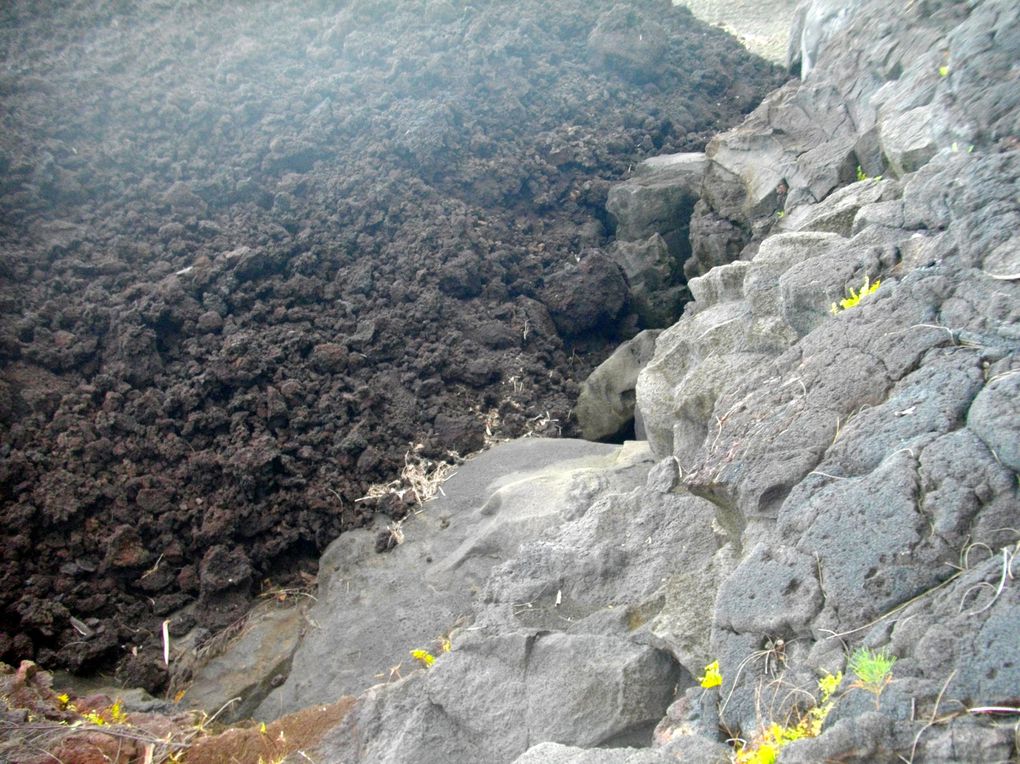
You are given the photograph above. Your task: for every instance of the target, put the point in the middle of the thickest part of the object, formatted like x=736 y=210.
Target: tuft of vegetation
x=873 y=669
x=855 y=297
x=764 y=748
x=712 y=677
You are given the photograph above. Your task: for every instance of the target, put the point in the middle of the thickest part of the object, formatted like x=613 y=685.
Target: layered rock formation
x=829 y=465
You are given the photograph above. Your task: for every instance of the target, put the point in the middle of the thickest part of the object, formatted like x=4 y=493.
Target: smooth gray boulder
x=372 y=609
x=605 y=405
x=492 y=697
x=643 y=564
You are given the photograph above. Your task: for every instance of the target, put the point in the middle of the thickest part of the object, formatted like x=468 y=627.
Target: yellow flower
x=94 y=718
x=712 y=676
x=855 y=296
x=117 y=715
x=424 y=657
x=828 y=684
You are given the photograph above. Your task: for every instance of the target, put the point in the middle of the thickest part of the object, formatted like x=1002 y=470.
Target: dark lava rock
x=223 y=568
x=584 y=295
x=294 y=247
x=124 y=549
x=463 y=434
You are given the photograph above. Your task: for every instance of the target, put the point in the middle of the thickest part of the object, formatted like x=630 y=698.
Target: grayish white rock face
x=854 y=457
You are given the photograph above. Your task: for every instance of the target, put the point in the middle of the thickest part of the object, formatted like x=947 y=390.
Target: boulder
x=586 y=295
x=907 y=139
x=235 y=681
x=655 y=295
x=994 y=417
x=659 y=200
x=629 y=43
x=838 y=211
x=432 y=576
x=605 y=405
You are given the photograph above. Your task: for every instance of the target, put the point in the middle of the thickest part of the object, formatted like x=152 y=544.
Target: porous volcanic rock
x=252 y=253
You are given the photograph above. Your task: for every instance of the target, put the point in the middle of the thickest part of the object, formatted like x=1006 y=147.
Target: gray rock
x=908 y=140
x=774 y=590
x=640 y=564
x=249 y=667
x=851 y=457
x=555 y=753
x=815 y=23
x=592 y=690
x=714 y=241
x=659 y=199
x=493 y=504
x=584 y=295
x=605 y=405
x=632 y=45
x=652 y=275
x=492 y=696
x=995 y=417
x=838 y=211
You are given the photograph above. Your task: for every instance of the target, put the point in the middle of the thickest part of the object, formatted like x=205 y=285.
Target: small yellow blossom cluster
x=855 y=297
x=113 y=715
x=765 y=747
x=712 y=677
x=424 y=657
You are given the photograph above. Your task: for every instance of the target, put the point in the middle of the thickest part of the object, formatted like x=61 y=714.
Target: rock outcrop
x=831 y=464
x=652 y=212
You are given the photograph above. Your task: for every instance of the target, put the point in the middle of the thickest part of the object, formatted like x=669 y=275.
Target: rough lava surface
x=253 y=251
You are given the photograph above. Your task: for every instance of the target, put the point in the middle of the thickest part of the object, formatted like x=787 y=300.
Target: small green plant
x=855 y=297
x=873 y=669
x=943 y=71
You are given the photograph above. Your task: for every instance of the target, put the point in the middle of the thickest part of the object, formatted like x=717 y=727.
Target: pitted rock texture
x=860 y=460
